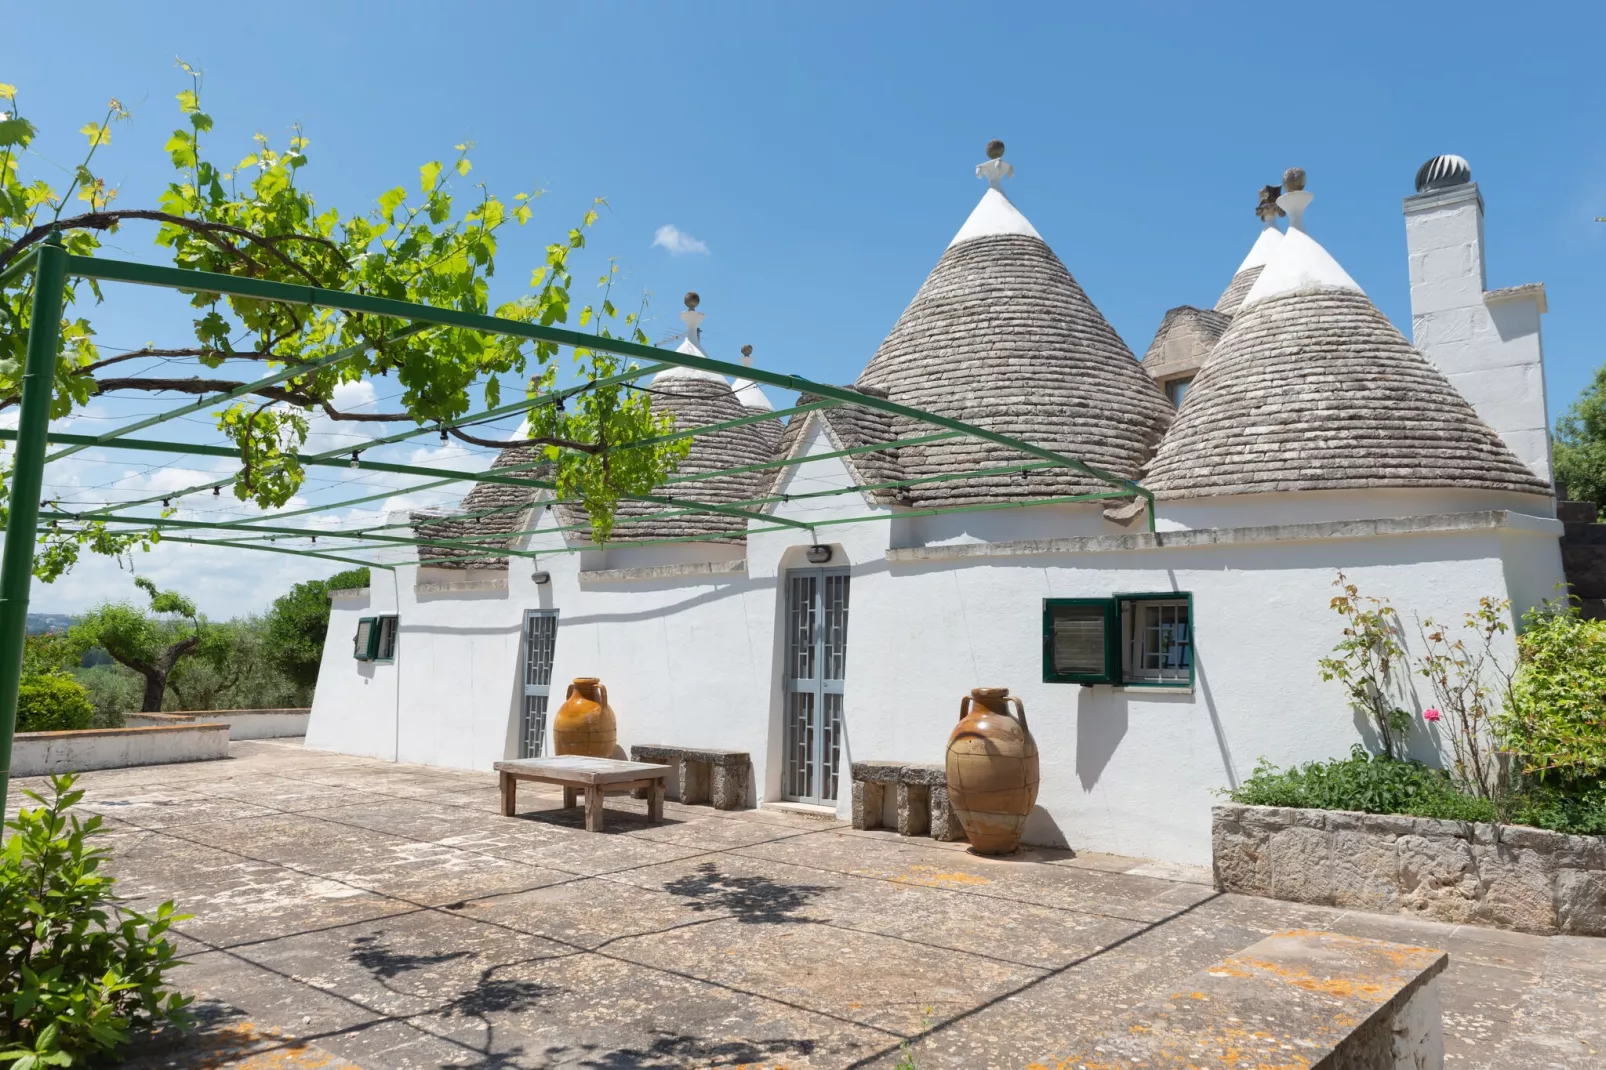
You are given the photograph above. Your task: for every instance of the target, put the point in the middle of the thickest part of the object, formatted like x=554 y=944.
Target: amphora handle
x=1019 y=705
x=964 y=707
x=569 y=693
x=603 y=688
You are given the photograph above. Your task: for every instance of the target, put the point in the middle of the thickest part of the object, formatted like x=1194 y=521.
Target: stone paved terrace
x=355 y=912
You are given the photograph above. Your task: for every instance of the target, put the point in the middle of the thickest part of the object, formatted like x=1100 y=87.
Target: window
x=375 y=639
x=1142 y=640
x=1177 y=389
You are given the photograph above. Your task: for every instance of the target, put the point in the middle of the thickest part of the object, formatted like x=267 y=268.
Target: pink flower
x=1431 y=714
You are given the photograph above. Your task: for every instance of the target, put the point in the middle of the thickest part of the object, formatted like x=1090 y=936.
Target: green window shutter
x=1080 y=640
x=367 y=639
x=385 y=647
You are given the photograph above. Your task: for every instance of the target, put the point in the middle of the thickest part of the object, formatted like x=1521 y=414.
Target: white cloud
x=677 y=241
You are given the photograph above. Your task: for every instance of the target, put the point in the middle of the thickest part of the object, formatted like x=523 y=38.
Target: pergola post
x=33 y=424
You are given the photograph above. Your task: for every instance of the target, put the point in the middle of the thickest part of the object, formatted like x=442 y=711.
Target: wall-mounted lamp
x=818 y=555
x=541 y=578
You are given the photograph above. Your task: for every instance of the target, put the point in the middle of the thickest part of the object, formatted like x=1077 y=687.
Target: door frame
x=531 y=745
x=826 y=751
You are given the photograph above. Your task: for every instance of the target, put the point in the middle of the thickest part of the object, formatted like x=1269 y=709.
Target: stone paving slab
x=381 y=916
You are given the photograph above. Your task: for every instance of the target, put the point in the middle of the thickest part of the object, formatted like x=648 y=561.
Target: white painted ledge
x=490 y=583
x=40 y=753
x=1529 y=291
x=664 y=572
x=1434 y=524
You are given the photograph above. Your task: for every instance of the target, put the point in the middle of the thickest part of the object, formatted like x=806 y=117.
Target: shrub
x=1556 y=722
x=1373 y=784
x=1369 y=660
x=1578 y=808
x=80 y=971
x=53 y=702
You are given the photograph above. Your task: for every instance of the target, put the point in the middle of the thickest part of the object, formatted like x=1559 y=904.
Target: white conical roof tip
x=1299 y=262
x=994 y=214
x=691 y=345
x=749 y=393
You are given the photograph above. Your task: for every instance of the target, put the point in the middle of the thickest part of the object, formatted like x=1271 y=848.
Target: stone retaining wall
x=1505 y=876
x=39 y=753
x=243 y=724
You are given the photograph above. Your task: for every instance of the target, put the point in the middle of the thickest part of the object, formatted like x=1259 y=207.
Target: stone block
x=920 y=773
x=1581 y=902
x=1388 y=824
x=1342 y=820
x=1582 y=852
x=868 y=798
x=729 y=789
x=1264 y=820
x=1518 y=888
x=945 y=824
x=1438 y=878
x=696 y=783
x=1365 y=871
x=1240 y=862
x=885 y=772
x=1301 y=865
x=1441 y=828
x=1521 y=836
x=914 y=809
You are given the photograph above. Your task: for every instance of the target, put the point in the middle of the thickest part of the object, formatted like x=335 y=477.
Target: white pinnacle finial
x=1297 y=199
x=693 y=319
x=995 y=170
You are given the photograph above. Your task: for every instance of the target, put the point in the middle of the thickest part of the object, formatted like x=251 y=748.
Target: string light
x=354 y=455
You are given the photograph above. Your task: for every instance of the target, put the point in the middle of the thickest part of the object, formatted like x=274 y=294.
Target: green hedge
x=1557 y=720
x=1375 y=784
x=53 y=702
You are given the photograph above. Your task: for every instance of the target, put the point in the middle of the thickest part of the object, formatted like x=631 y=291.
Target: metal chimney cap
x=1442 y=172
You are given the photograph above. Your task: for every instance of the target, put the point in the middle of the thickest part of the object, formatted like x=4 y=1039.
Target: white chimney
x=1486 y=342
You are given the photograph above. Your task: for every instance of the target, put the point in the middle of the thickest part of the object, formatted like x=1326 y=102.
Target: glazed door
x=816 y=659
x=540 y=643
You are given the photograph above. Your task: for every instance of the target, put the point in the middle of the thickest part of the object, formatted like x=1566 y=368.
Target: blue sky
x=823 y=154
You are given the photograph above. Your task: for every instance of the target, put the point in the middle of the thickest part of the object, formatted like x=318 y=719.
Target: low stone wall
x=243 y=724
x=39 y=753
x=1504 y=876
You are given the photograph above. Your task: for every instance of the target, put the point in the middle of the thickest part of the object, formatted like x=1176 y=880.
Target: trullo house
x=1287 y=432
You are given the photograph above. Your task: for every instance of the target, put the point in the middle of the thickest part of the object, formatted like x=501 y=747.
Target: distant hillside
x=48 y=622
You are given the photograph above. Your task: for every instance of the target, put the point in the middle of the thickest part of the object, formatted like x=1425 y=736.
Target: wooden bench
x=922 y=798
x=702 y=774
x=593 y=776
x=1303 y=998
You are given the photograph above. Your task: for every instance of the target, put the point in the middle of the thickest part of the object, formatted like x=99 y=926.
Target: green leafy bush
x=1373 y=784
x=1556 y=722
x=1578 y=807
x=53 y=702
x=80 y=971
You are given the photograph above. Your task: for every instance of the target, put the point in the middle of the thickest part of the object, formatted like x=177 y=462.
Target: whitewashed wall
x=693 y=657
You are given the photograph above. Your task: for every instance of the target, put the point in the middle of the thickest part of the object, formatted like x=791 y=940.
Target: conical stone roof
x=697 y=399
x=1314 y=389
x=1001 y=335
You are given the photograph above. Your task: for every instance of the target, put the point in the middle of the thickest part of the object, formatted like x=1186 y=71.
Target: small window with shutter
x=1137 y=640
x=385 y=648
x=366 y=642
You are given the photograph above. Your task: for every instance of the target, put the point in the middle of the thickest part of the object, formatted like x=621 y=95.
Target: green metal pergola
x=51 y=266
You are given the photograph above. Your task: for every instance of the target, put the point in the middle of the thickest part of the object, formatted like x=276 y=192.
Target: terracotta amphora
x=585 y=724
x=992 y=770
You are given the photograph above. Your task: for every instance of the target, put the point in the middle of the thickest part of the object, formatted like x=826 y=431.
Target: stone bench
x=1295 y=999
x=922 y=798
x=702 y=774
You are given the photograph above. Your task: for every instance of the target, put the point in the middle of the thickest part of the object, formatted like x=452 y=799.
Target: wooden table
x=594 y=776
